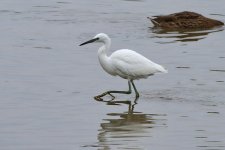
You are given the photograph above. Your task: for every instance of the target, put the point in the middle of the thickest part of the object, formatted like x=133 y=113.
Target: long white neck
x=103 y=58
x=104 y=48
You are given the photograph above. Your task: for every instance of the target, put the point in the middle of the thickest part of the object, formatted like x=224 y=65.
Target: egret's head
x=101 y=38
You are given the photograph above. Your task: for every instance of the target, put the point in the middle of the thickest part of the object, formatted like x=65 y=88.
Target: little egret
x=125 y=63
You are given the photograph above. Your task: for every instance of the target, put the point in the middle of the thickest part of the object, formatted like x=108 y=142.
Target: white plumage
x=130 y=65
x=125 y=63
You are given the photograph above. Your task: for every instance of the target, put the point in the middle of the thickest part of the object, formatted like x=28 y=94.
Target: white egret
x=125 y=63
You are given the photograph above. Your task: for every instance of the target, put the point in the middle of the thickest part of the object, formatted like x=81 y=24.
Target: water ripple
x=168 y=36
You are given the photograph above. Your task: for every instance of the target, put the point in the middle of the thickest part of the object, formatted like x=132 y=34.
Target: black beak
x=90 y=41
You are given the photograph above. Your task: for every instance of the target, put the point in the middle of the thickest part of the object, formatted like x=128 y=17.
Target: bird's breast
x=106 y=64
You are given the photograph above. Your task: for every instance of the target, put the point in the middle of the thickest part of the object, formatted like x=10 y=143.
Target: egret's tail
x=162 y=69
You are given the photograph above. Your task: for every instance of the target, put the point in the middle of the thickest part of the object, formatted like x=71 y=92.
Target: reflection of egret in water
x=127 y=130
x=182 y=35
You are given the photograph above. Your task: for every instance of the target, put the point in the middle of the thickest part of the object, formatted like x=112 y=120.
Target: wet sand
x=48 y=82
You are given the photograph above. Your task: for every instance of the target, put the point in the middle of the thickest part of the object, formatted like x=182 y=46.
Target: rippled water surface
x=47 y=82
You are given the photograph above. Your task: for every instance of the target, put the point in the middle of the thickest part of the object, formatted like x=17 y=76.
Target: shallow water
x=47 y=82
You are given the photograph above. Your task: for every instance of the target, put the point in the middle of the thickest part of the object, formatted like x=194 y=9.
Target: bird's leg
x=136 y=92
x=113 y=97
x=122 y=92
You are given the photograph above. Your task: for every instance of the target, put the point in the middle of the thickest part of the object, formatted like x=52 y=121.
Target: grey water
x=47 y=82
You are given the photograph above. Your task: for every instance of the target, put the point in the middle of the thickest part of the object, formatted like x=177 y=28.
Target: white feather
x=125 y=63
x=129 y=64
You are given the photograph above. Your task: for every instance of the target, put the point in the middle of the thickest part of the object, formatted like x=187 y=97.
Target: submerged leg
x=136 y=92
x=113 y=97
